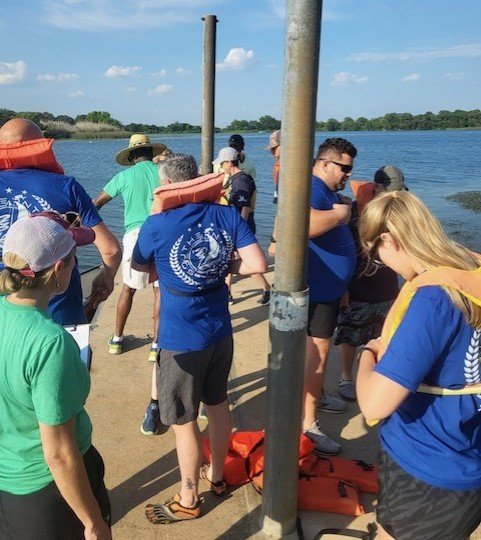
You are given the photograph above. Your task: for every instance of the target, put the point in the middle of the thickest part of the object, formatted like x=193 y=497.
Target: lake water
x=435 y=164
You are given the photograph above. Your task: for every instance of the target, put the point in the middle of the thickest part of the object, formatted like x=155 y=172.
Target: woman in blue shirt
x=430 y=458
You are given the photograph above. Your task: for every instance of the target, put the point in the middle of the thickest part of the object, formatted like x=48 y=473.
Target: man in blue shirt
x=27 y=190
x=192 y=248
x=331 y=264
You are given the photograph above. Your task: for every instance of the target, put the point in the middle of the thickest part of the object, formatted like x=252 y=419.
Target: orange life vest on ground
x=34 y=154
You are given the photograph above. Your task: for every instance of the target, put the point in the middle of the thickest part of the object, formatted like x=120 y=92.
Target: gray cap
x=391 y=178
x=226 y=154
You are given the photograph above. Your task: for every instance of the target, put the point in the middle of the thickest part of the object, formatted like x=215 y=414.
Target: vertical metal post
x=289 y=300
x=208 y=93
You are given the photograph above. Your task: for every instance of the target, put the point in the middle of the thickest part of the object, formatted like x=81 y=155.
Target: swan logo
x=14 y=206
x=201 y=256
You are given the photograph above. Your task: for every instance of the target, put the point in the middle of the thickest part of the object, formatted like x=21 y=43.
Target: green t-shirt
x=136 y=185
x=42 y=379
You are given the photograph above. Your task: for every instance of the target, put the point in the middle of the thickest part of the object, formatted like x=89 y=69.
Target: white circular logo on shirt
x=14 y=206
x=199 y=258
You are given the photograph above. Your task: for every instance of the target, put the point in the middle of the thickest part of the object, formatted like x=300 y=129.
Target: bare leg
x=124 y=306
x=187 y=442
x=348 y=355
x=317 y=351
x=156 y=313
x=262 y=282
x=153 y=391
x=220 y=427
x=228 y=281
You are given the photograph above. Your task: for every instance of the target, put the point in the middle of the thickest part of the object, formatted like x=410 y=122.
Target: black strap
x=370 y=534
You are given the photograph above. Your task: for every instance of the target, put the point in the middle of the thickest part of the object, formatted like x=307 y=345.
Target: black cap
x=237 y=142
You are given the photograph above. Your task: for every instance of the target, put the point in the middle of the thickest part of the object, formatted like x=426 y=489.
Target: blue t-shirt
x=331 y=258
x=436 y=439
x=24 y=191
x=192 y=246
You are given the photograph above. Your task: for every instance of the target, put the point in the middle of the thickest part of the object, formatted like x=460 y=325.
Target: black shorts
x=184 y=379
x=44 y=514
x=410 y=509
x=322 y=318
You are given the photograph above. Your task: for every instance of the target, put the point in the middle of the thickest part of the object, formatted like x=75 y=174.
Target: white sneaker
x=330 y=404
x=324 y=444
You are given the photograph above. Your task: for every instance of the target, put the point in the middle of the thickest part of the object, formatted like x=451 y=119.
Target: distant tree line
x=101 y=124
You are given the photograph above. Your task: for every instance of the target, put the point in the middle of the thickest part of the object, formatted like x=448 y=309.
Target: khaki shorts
x=132 y=278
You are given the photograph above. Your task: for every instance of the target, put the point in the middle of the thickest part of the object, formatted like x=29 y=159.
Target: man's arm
x=322 y=221
x=68 y=470
x=111 y=254
x=101 y=199
x=251 y=261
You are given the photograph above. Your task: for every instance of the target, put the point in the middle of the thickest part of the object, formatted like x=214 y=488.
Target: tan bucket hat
x=138 y=140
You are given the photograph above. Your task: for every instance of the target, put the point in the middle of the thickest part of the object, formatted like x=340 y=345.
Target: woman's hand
x=100 y=531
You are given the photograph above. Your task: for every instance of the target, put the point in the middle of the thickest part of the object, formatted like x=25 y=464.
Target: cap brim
x=122 y=158
x=82 y=236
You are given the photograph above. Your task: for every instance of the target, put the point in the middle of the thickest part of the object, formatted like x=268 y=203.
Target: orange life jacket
x=34 y=154
x=363 y=191
x=207 y=188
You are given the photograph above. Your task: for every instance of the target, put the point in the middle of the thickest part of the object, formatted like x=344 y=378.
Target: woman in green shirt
x=51 y=477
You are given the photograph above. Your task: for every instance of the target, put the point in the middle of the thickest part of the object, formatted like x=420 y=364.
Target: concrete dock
x=143 y=469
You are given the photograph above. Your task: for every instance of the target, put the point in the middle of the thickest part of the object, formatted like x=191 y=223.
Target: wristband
x=372 y=351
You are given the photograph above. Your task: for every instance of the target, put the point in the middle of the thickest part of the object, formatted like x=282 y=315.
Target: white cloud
x=77 y=94
x=412 y=77
x=161 y=89
x=342 y=78
x=162 y=73
x=130 y=89
x=237 y=59
x=183 y=71
x=116 y=72
x=454 y=76
x=472 y=50
x=98 y=15
x=61 y=77
x=12 y=72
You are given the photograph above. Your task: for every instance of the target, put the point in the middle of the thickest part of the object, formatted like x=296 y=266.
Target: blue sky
x=141 y=59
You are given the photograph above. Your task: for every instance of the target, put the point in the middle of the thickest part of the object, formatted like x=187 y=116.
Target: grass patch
x=470 y=200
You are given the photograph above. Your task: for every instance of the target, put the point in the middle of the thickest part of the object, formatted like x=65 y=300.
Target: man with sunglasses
x=331 y=264
x=31 y=180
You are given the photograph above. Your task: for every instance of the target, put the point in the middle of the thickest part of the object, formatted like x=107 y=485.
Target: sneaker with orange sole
x=218 y=488
x=172 y=511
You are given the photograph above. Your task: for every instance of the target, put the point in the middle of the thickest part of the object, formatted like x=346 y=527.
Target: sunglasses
x=72 y=218
x=373 y=261
x=346 y=169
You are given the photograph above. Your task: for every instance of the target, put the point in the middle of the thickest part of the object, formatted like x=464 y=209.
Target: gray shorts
x=184 y=379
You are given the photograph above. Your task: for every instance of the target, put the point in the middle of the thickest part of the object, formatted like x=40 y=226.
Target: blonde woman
x=51 y=477
x=422 y=376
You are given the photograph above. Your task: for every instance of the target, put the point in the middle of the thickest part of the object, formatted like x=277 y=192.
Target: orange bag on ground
x=235 y=466
x=256 y=460
x=358 y=472
x=324 y=494
x=34 y=154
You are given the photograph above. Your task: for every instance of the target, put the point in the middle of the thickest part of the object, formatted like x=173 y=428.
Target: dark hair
x=237 y=142
x=144 y=151
x=337 y=146
x=235 y=162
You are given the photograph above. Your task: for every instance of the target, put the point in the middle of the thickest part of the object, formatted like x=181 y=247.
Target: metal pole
x=208 y=94
x=289 y=300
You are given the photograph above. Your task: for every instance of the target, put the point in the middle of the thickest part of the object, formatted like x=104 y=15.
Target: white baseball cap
x=41 y=241
x=226 y=154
